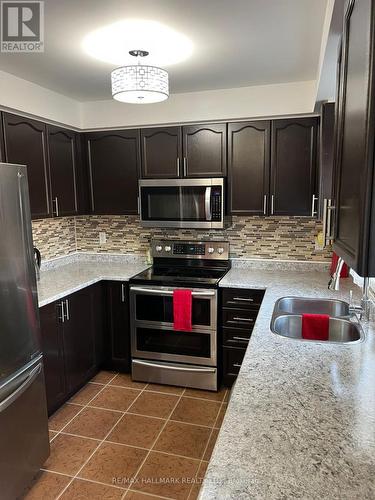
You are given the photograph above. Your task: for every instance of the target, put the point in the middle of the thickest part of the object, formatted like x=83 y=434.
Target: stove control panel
x=218 y=250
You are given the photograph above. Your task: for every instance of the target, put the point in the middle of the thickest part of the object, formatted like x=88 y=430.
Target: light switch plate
x=102 y=238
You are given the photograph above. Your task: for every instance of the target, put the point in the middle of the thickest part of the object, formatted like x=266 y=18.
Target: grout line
x=94 y=451
x=155 y=440
x=206 y=447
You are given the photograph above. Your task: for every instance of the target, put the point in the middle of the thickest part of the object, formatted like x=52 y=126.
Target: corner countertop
x=62 y=280
x=301 y=417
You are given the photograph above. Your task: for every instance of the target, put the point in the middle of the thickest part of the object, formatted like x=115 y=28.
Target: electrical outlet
x=102 y=238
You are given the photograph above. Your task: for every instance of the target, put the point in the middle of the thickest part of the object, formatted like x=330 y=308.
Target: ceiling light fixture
x=139 y=83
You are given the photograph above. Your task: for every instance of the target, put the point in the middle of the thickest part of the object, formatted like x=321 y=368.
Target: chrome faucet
x=334 y=282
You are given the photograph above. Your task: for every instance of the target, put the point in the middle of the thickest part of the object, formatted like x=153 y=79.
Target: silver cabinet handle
x=313 y=211
x=243 y=299
x=122 y=292
x=178 y=166
x=67 y=310
x=272 y=204
x=242 y=339
x=21 y=389
x=56 y=202
x=185 y=166
x=330 y=236
x=265 y=205
x=237 y=318
x=62 y=318
x=175 y=368
x=139 y=205
x=236 y=365
x=168 y=292
x=325 y=215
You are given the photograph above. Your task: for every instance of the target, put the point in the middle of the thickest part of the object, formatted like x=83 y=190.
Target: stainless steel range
x=161 y=354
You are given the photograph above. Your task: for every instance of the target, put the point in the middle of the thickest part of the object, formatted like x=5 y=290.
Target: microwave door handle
x=207 y=203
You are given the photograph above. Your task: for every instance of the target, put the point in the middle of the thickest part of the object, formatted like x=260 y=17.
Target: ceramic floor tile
x=93 y=423
x=103 y=377
x=183 y=439
x=86 y=394
x=199 y=478
x=69 y=453
x=62 y=416
x=211 y=444
x=221 y=416
x=196 y=411
x=113 y=462
x=136 y=430
x=46 y=486
x=167 y=389
x=137 y=495
x=166 y=475
x=125 y=380
x=80 y=489
x=115 y=398
x=154 y=404
x=210 y=395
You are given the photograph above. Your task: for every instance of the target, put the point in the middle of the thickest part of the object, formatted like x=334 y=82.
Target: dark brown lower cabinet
x=53 y=353
x=117 y=341
x=239 y=310
x=72 y=332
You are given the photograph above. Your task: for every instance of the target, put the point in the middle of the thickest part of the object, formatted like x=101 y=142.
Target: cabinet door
x=205 y=150
x=53 y=355
x=118 y=327
x=114 y=165
x=327 y=147
x=79 y=339
x=25 y=143
x=2 y=150
x=293 y=166
x=355 y=142
x=248 y=167
x=161 y=152
x=63 y=167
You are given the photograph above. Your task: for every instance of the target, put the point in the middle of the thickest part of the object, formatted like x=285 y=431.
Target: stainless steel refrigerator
x=24 y=444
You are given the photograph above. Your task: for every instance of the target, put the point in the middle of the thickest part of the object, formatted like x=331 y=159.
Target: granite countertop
x=301 y=418
x=60 y=281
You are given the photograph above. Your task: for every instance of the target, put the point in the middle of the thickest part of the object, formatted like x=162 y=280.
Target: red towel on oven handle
x=315 y=326
x=182 y=306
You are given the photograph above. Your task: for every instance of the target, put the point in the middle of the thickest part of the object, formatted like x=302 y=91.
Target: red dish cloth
x=182 y=304
x=315 y=326
x=344 y=270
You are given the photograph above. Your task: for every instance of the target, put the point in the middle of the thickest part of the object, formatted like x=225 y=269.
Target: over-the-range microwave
x=183 y=203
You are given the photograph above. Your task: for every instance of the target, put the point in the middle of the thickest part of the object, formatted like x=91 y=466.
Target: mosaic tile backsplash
x=290 y=238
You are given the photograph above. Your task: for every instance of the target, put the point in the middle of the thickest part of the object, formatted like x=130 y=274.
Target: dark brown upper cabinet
x=326 y=156
x=249 y=167
x=354 y=238
x=293 y=167
x=161 y=151
x=62 y=149
x=204 y=150
x=114 y=160
x=26 y=144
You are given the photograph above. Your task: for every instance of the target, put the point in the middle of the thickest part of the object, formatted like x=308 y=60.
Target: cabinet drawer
x=236 y=337
x=239 y=318
x=232 y=360
x=242 y=298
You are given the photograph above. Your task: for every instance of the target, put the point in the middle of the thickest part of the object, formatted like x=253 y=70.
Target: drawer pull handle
x=242 y=339
x=237 y=318
x=243 y=299
x=236 y=365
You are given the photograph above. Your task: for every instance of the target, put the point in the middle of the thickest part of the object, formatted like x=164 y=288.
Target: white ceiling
x=237 y=43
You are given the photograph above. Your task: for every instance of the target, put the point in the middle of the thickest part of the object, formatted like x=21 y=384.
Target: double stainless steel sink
x=287 y=318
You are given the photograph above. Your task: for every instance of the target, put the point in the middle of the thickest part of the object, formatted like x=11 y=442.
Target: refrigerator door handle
x=21 y=389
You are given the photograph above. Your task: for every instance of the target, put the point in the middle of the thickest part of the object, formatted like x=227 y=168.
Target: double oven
x=161 y=354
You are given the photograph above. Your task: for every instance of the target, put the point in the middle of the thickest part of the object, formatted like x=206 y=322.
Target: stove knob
x=158 y=248
x=211 y=250
x=167 y=248
x=220 y=250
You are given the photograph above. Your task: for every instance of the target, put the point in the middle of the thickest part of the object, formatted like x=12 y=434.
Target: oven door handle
x=207 y=203
x=176 y=368
x=168 y=292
